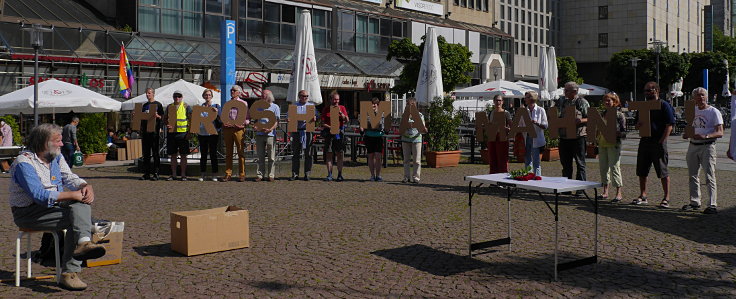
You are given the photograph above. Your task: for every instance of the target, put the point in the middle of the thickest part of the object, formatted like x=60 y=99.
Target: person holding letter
x=373 y=137
x=177 y=141
x=609 y=155
x=533 y=146
x=335 y=139
x=411 y=144
x=708 y=127
x=234 y=123
x=265 y=141
x=653 y=149
x=572 y=144
x=498 y=151
x=301 y=140
x=208 y=142
x=150 y=140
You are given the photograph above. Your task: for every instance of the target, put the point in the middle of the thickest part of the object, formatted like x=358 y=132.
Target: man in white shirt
x=708 y=125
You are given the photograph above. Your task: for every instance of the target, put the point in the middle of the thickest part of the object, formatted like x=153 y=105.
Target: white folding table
x=555 y=185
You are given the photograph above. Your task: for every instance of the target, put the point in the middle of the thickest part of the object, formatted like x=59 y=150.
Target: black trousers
x=150 y=144
x=208 y=145
x=573 y=149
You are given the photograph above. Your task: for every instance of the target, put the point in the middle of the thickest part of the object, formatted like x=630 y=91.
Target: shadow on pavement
x=160 y=250
x=431 y=260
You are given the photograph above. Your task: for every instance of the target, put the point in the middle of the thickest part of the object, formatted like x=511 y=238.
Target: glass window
x=374 y=44
x=602 y=12
x=227 y=7
x=361 y=22
x=212 y=26
x=360 y=42
x=373 y=26
x=347 y=21
x=271 y=32
x=171 y=21
x=192 y=24
x=148 y=19
x=171 y=4
x=386 y=27
x=288 y=34
x=320 y=38
x=149 y=2
x=347 y=40
x=255 y=9
x=253 y=31
x=271 y=12
x=398 y=26
x=214 y=6
x=193 y=5
x=603 y=40
x=319 y=18
x=242 y=9
x=288 y=14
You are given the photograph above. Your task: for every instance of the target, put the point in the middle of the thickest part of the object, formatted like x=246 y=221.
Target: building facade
x=592 y=31
x=531 y=23
x=722 y=10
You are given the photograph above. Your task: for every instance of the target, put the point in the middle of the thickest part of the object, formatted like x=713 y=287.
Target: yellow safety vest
x=182 y=125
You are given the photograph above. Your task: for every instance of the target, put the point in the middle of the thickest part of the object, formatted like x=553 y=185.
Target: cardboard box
x=212 y=230
x=113 y=243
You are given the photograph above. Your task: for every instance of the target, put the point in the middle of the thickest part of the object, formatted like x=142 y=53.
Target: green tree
x=713 y=61
x=724 y=44
x=672 y=66
x=567 y=70
x=454 y=59
x=91 y=133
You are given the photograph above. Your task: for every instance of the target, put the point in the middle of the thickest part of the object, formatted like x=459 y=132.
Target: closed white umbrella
x=56 y=96
x=543 y=75
x=191 y=93
x=552 y=75
x=429 y=83
x=726 y=92
x=304 y=70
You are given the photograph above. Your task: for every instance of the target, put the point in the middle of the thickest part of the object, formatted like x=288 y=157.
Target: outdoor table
x=555 y=185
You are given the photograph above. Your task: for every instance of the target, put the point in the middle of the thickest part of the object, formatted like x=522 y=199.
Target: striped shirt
x=32 y=181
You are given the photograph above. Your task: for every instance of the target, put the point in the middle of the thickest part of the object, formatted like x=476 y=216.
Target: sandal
x=639 y=200
x=665 y=204
x=617 y=200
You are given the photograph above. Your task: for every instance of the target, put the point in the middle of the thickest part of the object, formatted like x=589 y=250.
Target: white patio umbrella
x=561 y=92
x=593 y=90
x=429 y=83
x=471 y=106
x=489 y=89
x=543 y=75
x=56 y=96
x=552 y=71
x=304 y=70
x=528 y=85
x=191 y=92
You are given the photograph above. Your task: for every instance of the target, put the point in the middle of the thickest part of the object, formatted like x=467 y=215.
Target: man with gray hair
x=69 y=137
x=301 y=140
x=265 y=142
x=701 y=152
x=44 y=194
x=572 y=144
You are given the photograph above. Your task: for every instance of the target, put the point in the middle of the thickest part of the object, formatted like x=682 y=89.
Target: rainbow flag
x=125 y=73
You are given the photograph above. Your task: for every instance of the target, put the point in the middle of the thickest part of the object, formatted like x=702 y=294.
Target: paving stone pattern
x=360 y=239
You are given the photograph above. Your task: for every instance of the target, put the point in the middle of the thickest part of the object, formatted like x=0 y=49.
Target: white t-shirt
x=706 y=120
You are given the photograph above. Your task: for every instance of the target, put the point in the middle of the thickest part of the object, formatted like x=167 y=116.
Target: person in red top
x=335 y=141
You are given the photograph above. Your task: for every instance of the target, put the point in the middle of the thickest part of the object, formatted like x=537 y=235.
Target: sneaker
x=171 y=178
x=88 y=250
x=293 y=178
x=415 y=180
x=405 y=180
x=641 y=200
x=616 y=200
x=306 y=178
x=339 y=178
x=154 y=177
x=710 y=210
x=372 y=179
x=201 y=179
x=71 y=281
x=145 y=177
x=184 y=179
x=379 y=179
x=328 y=178
x=691 y=207
x=214 y=178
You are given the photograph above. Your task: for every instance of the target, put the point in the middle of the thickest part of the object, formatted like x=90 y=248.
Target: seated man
x=46 y=195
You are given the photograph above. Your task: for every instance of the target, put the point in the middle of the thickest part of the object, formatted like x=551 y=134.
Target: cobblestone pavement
x=359 y=239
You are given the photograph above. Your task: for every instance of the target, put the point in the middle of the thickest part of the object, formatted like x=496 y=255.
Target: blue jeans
x=67 y=151
x=531 y=156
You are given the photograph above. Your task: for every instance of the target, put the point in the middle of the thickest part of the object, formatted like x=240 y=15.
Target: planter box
x=443 y=159
x=551 y=154
x=97 y=158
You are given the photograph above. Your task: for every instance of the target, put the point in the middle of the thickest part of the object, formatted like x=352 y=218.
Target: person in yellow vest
x=177 y=142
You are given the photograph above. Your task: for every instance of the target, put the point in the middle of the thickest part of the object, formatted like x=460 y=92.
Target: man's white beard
x=53 y=151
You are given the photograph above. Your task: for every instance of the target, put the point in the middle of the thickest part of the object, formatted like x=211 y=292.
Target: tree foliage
x=672 y=66
x=91 y=133
x=713 y=61
x=12 y=121
x=567 y=70
x=454 y=60
x=442 y=125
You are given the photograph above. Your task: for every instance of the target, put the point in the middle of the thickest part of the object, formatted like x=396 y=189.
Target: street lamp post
x=36 y=31
x=634 y=63
x=657 y=44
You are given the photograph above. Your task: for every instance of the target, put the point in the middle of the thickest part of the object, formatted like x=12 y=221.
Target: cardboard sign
x=139 y=116
x=689 y=117
x=335 y=120
x=366 y=110
x=242 y=113
x=258 y=111
x=489 y=130
x=295 y=117
x=413 y=114
x=171 y=117
x=113 y=243
x=522 y=114
x=566 y=123
x=645 y=127
x=198 y=119
x=607 y=127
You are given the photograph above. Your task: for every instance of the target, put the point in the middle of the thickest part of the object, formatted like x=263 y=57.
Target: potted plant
x=92 y=138
x=551 y=149
x=442 y=137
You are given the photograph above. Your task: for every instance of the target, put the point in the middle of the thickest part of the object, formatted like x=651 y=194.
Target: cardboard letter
x=566 y=123
x=294 y=117
x=522 y=114
x=242 y=113
x=497 y=127
x=171 y=117
x=198 y=119
x=689 y=117
x=366 y=110
x=606 y=127
x=139 y=115
x=335 y=120
x=645 y=126
x=258 y=111
x=481 y=122
x=412 y=113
